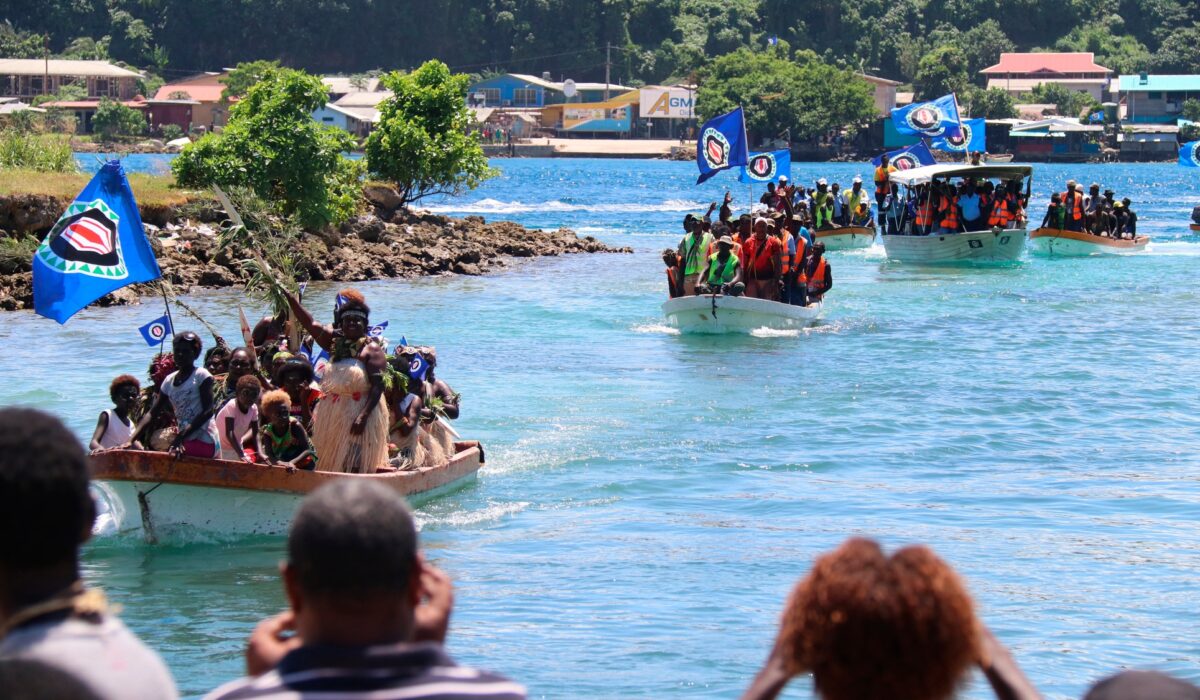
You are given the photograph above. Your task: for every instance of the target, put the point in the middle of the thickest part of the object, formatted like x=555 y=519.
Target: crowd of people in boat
x=766 y=254
x=1091 y=212
x=369 y=615
x=370 y=409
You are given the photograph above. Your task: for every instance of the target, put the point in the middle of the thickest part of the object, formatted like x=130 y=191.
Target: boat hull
x=846 y=238
x=157 y=496
x=1194 y=227
x=716 y=314
x=970 y=247
x=1059 y=243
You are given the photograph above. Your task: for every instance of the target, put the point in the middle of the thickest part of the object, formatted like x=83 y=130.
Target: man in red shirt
x=763 y=261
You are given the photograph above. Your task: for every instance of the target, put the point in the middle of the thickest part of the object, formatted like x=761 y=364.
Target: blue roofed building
x=521 y=91
x=1157 y=99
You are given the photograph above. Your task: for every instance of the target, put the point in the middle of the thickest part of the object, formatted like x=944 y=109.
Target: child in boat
x=114 y=427
x=284 y=440
x=295 y=377
x=189 y=390
x=238 y=421
x=241 y=363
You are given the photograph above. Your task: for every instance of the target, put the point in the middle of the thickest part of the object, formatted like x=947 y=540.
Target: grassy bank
x=149 y=190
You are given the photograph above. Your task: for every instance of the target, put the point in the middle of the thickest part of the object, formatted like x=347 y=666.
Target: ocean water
x=651 y=498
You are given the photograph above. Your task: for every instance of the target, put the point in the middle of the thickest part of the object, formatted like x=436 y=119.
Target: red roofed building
x=1019 y=73
x=204 y=91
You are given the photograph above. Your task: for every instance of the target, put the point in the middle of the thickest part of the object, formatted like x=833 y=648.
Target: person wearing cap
x=801 y=221
x=851 y=199
x=764 y=264
x=822 y=212
x=1073 y=201
x=691 y=253
x=724 y=271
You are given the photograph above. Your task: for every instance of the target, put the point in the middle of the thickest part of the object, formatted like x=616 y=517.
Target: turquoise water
x=650 y=498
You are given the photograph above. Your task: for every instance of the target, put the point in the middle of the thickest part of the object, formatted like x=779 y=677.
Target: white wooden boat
x=992 y=245
x=999 y=157
x=845 y=237
x=716 y=313
x=157 y=496
x=1061 y=243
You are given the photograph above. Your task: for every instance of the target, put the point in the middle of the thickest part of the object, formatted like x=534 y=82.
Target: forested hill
x=653 y=40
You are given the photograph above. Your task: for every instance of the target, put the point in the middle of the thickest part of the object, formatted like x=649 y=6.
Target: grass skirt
x=438 y=443
x=346 y=386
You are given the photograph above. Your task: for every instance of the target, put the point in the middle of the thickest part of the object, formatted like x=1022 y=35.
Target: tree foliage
x=115 y=119
x=1068 y=102
x=245 y=76
x=802 y=94
x=941 y=71
x=1191 y=110
x=272 y=146
x=992 y=103
x=423 y=141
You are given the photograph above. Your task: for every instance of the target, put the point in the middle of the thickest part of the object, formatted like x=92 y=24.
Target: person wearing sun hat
x=724 y=272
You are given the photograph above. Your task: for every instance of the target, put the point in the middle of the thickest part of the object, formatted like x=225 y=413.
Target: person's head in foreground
x=368 y=614
x=46 y=615
x=1142 y=685
x=868 y=625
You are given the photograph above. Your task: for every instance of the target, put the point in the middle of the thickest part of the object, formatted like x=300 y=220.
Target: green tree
x=170 y=132
x=1068 y=102
x=272 y=146
x=992 y=103
x=1122 y=53
x=941 y=71
x=15 y=43
x=245 y=76
x=66 y=93
x=85 y=48
x=981 y=47
x=115 y=119
x=1191 y=110
x=423 y=141
x=1179 y=52
x=806 y=96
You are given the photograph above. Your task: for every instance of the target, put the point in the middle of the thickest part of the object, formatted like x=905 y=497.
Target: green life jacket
x=717 y=275
x=693 y=251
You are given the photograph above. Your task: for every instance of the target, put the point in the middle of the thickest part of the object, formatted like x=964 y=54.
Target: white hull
x=846 y=238
x=971 y=247
x=714 y=314
x=1055 y=246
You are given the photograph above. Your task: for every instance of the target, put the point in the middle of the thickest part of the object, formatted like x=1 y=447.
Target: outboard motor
x=1196 y=215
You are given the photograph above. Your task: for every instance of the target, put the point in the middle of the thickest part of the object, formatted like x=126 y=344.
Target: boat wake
x=495 y=206
x=655 y=328
x=776 y=333
x=432 y=516
x=1173 y=248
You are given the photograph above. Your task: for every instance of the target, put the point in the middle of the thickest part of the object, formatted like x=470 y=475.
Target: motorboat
x=845 y=237
x=991 y=245
x=1061 y=243
x=157 y=495
x=719 y=313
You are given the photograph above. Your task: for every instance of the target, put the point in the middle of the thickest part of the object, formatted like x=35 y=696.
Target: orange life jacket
x=949 y=212
x=798 y=260
x=1076 y=211
x=671 y=281
x=1000 y=215
x=924 y=213
x=817 y=279
x=786 y=264
x=882 y=184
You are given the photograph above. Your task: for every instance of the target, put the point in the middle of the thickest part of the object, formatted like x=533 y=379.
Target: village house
x=1157 y=99
x=1019 y=73
x=528 y=91
x=192 y=103
x=356 y=113
x=27 y=78
x=884 y=93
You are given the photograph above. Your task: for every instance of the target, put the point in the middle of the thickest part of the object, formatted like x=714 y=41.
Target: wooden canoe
x=156 y=494
x=1060 y=242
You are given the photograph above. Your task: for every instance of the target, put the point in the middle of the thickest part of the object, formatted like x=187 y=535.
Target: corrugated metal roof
x=1056 y=62
x=363 y=99
x=1160 y=83
x=63 y=67
x=199 y=93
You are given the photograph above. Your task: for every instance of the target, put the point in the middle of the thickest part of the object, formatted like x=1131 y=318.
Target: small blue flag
x=303 y=285
x=772 y=40
x=320 y=363
x=1189 y=154
x=338 y=302
x=418 y=367
x=156 y=332
x=766 y=167
x=377 y=330
x=974 y=138
x=1096 y=117
x=907 y=158
x=937 y=118
x=403 y=341
x=722 y=144
x=96 y=247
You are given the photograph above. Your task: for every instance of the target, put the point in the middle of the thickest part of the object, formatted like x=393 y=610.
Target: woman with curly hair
x=870 y=626
x=350 y=425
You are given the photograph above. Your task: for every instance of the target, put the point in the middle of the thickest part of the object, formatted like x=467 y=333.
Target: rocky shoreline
x=385 y=241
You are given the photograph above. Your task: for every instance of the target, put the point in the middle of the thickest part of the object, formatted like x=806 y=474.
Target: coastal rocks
x=382 y=244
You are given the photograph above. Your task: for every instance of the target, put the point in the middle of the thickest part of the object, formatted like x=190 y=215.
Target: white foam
x=1173 y=248
x=464 y=518
x=655 y=328
x=495 y=206
x=775 y=333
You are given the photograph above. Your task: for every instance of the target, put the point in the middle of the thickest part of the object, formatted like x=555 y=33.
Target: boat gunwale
x=844 y=231
x=1083 y=237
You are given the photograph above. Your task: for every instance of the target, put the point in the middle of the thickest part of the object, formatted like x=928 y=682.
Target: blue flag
x=936 y=118
x=974 y=138
x=766 y=167
x=157 y=330
x=377 y=330
x=722 y=144
x=1189 y=154
x=772 y=40
x=907 y=158
x=96 y=247
x=337 y=303
x=418 y=367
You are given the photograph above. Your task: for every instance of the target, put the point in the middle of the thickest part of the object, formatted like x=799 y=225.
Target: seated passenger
x=238 y=421
x=724 y=272
x=1056 y=214
x=284 y=440
x=1128 y=219
x=862 y=216
x=216 y=360
x=114 y=427
x=405 y=449
x=189 y=390
x=764 y=262
x=241 y=363
x=296 y=378
x=441 y=403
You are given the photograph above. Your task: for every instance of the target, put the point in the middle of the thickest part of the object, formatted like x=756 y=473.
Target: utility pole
x=607 y=67
x=46 y=70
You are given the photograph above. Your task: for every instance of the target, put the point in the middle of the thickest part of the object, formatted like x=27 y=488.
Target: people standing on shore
x=368 y=614
x=47 y=614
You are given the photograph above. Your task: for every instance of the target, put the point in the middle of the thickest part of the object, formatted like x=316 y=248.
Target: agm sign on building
x=667 y=103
